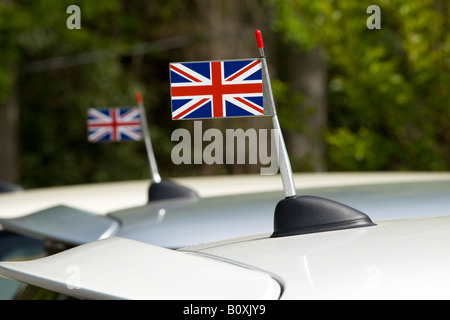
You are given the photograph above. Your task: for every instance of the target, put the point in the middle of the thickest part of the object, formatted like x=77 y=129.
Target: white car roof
x=179 y=223
x=397 y=259
x=403 y=258
x=102 y=198
x=118 y=268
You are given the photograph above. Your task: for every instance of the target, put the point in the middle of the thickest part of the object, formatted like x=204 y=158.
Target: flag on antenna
x=114 y=124
x=216 y=89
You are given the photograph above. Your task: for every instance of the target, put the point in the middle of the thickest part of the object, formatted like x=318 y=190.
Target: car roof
x=102 y=198
x=241 y=215
x=141 y=271
x=184 y=222
x=397 y=259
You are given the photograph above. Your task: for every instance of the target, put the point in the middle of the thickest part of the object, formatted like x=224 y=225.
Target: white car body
x=174 y=223
x=395 y=259
x=101 y=198
x=401 y=259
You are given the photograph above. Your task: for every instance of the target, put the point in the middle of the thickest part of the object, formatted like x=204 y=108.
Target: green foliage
x=287 y=102
x=60 y=146
x=388 y=87
x=388 y=97
x=54 y=103
x=363 y=150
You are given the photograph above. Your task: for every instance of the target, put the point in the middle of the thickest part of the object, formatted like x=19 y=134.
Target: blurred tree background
x=348 y=97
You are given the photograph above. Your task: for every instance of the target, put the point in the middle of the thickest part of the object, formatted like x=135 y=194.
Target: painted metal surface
x=102 y=198
x=63 y=224
x=398 y=259
x=404 y=256
x=119 y=268
x=180 y=223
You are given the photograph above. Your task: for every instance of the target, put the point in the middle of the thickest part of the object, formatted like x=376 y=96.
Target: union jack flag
x=215 y=89
x=114 y=124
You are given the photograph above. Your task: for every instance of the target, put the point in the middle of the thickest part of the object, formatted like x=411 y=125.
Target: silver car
x=390 y=241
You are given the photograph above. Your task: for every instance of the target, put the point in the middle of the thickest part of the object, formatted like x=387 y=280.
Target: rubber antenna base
x=167 y=189
x=309 y=214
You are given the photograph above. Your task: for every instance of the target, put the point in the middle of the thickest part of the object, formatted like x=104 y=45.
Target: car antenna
x=159 y=189
x=303 y=214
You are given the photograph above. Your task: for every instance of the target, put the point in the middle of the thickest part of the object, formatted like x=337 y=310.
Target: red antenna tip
x=138 y=96
x=259 y=39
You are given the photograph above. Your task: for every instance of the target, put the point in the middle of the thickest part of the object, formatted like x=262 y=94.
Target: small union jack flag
x=216 y=89
x=114 y=124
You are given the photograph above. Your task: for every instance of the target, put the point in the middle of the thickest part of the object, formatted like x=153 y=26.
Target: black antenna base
x=309 y=214
x=166 y=189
